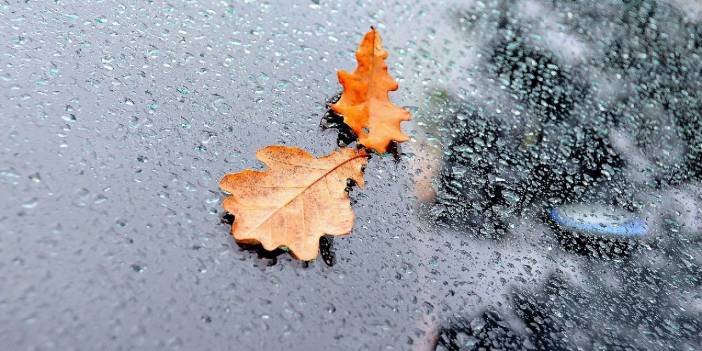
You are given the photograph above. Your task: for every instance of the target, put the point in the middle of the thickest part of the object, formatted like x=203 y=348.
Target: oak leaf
x=295 y=201
x=365 y=104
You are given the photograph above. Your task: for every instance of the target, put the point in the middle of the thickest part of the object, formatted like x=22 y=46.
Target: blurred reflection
x=608 y=118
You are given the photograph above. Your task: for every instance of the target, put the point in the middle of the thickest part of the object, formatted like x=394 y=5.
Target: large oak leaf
x=295 y=201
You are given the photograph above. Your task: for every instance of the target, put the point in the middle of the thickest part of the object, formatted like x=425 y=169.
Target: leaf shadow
x=270 y=258
x=332 y=120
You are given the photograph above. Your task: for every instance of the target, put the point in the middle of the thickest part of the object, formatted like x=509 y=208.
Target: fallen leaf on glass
x=295 y=201
x=365 y=104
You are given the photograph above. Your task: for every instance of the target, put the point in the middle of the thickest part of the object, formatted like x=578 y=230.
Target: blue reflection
x=631 y=227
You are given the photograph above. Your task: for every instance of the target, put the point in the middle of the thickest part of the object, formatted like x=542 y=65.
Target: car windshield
x=547 y=196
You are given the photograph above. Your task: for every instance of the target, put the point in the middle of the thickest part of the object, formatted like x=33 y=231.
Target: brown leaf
x=365 y=104
x=295 y=201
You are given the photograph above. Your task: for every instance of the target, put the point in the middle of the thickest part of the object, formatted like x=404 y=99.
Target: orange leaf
x=365 y=104
x=295 y=201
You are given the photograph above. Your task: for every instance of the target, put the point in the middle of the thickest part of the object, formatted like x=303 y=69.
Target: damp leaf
x=365 y=104
x=295 y=201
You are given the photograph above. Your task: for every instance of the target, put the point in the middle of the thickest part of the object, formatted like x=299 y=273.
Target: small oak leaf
x=365 y=104
x=295 y=201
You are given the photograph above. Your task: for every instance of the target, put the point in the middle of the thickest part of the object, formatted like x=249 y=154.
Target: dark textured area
x=566 y=148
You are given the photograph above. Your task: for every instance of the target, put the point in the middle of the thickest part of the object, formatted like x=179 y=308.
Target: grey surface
x=119 y=119
x=111 y=212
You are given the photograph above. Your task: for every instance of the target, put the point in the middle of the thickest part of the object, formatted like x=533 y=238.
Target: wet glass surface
x=549 y=198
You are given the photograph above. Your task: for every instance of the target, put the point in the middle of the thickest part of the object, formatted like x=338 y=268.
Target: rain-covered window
x=548 y=198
